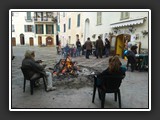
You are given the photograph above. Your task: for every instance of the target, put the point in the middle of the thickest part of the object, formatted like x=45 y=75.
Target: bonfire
x=66 y=67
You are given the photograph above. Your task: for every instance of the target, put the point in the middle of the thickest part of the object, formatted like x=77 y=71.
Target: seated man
x=35 y=68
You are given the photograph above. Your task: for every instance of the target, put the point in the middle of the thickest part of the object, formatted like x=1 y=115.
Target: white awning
x=130 y=22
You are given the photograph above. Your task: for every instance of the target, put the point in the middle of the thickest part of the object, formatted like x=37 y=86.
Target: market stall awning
x=130 y=22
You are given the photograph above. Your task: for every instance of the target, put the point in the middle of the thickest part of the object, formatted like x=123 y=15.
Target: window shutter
x=36 y=29
x=64 y=27
x=78 y=20
x=32 y=28
x=25 y=28
x=28 y=15
x=42 y=29
x=52 y=29
x=58 y=28
x=69 y=23
x=46 y=29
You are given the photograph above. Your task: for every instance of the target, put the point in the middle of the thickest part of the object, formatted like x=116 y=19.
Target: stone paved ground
x=76 y=92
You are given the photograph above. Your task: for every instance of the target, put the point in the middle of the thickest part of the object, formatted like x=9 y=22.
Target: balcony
x=28 y=19
x=43 y=19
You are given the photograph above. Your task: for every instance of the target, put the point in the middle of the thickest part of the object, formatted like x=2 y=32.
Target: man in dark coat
x=34 y=68
x=131 y=59
x=88 y=45
x=99 y=47
x=134 y=49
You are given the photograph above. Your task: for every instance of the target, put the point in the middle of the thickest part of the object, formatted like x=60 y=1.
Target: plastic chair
x=32 y=79
x=111 y=85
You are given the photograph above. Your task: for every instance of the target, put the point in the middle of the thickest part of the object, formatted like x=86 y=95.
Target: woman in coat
x=114 y=69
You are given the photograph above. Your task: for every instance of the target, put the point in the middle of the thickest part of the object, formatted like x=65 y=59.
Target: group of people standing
x=72 y=50
x=100 y=47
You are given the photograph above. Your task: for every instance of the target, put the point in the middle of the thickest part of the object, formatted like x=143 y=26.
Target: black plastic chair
x=32 y=80
x=111 y=85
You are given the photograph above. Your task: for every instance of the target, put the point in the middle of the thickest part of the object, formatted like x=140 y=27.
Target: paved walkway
x=134 y=88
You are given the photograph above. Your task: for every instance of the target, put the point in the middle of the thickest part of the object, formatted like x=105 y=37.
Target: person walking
x=107 y=47
x=99 y=47
x=88 y=45
x=78 y=44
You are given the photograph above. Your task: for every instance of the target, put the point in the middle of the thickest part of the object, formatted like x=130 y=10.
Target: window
x=124 y=15
x=28 y=15
x=45 y=17
x=69 y=24
x=39 y=29
x=39 y=14
x=49 y=29
x=99 y=18
x=49 y=14
x=78 y=20
x=58 y=28
x=13 y=29
x=28 y=28
x=64 y=27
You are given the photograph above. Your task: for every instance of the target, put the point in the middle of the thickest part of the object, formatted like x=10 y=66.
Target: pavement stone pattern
x=134 y=88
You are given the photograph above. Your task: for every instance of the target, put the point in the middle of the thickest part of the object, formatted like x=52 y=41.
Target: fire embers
x=66 y=67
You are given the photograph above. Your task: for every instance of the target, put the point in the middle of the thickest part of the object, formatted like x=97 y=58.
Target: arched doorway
x=86 y=30
x=22 y=41
x=39 y=40
x=49 y=41
x=13 y=41
x=31 y=42
x=120 y=43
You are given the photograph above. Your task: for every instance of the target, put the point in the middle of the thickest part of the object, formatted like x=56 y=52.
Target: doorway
x=31 y=42
x=39 y=40
x=49 y=41
x=13 y=41
x=120 y=44
x=22 y=41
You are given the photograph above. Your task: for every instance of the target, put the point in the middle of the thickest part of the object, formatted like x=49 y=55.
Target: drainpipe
x=55 y=21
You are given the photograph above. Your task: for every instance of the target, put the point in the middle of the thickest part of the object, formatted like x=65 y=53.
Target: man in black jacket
x=34 y=68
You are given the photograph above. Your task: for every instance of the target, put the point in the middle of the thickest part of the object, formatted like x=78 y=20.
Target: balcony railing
x=28 y=19
x=43 y=19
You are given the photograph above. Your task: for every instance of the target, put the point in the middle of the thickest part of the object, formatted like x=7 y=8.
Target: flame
x=68 y=66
